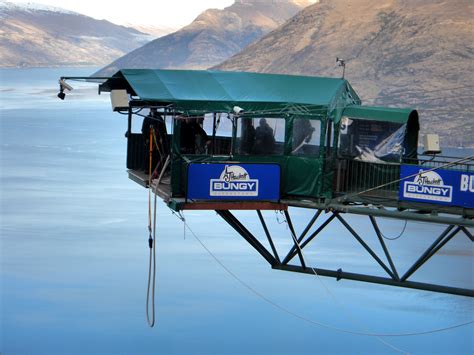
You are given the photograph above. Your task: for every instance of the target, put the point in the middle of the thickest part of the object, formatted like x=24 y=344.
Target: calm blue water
x=74 y=256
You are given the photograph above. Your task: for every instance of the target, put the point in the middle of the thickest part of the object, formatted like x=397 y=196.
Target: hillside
x=417 y=53
x=33 y=35
x=212 y=37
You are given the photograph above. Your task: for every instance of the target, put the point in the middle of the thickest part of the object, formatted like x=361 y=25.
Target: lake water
x=74 y=256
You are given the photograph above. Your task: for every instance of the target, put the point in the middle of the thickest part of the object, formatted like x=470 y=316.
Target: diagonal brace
x=468 y=233
x=292 y=252
x=366 y=247
x=269 y=237
x=384 y=247
x=295 y=241
x=432 y=250
x=303 y=234
x=245 y=233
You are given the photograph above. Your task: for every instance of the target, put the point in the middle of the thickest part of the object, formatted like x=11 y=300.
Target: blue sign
x=257 y=182
x=446 y=187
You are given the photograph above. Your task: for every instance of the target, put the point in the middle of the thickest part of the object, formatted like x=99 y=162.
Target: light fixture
x=63 y=86
x=61 y=94
x=238 y=110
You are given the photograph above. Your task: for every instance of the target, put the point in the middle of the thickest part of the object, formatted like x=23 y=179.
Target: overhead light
x=238 y=110
x=63 y=86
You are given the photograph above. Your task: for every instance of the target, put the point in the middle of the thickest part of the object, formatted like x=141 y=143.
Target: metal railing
x=443 y=162
x=355 y=176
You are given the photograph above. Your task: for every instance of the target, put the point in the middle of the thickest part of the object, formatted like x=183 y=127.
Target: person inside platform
x=194 y=139
x=247 y=139
x=302 y=133
x=155 y=124
x=264 y=139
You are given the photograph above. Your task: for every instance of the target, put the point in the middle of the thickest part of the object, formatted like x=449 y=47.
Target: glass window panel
x=306 y=136
x=372 y=141
x=260 y=136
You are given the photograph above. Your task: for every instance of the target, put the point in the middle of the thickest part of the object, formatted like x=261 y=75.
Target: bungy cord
x=151 y=241
x=152 y=235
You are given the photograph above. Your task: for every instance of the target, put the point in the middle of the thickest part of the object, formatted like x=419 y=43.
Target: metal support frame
x=295 y=241
x=384 y=247
x=292 y=252
x=269 y=237
x=244 y=232
x=468 y=233
x=433 y=248
x=299 y=243
x=366 y=247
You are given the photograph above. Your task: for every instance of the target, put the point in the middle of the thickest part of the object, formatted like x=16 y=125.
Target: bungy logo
x=428 y=186
x=234 y=181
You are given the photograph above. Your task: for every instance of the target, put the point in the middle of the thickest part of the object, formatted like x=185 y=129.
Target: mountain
x=417 y=53
x=153 y=31
x=42 y=36
x=212 y=37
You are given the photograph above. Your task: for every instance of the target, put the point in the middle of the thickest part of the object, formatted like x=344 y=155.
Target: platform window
x=260 y=136
x=223 y=124
x=306 y=137
x=370 y=140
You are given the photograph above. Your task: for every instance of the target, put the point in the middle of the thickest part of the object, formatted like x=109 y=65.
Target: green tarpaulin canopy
x=385 y=114
x=401 y=116
x=214 y=91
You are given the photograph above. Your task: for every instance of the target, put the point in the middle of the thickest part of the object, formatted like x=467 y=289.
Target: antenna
x=341 y=63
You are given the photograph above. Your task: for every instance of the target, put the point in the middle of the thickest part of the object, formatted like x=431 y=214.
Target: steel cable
x=311 y=321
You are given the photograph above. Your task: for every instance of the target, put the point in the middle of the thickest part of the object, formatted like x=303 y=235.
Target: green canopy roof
x=209 y=91
x=386 y=114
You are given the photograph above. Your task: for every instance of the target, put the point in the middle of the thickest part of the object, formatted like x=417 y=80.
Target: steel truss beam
x=244 y=232
x=300 y=243
x=339 y=275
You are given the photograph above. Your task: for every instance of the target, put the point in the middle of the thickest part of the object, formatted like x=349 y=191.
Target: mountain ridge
x=33 y=35
x=398 y=53
x=212 y=37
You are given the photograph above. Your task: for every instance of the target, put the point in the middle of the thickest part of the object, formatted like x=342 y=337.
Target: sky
x=160 y=13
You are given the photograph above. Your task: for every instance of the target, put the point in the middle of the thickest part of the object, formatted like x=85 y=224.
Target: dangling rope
x=151 y=240
x=278 y=219
x=152 y=228
x=398 y=236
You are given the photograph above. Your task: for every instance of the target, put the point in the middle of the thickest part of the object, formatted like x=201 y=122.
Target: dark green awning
x=386 y=114
x=402 y=116
x=214 y=91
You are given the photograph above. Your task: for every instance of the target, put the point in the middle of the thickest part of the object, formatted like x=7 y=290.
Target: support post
x=269 y=237
x=384 y=247
x=129 y=121
x=295 y=241
x=214 y=128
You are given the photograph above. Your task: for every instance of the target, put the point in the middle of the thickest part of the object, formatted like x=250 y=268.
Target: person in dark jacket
x=264 y=140
x=154 y=121
x=247 y=140
x=194 y=139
